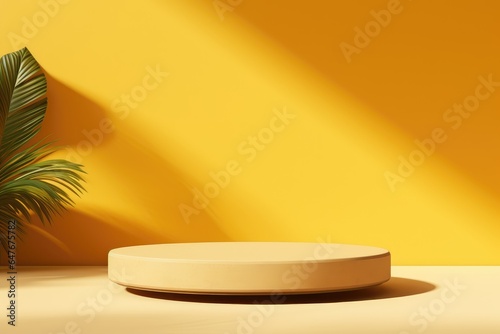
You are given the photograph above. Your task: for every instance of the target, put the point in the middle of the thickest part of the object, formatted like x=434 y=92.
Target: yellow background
x=322 y=176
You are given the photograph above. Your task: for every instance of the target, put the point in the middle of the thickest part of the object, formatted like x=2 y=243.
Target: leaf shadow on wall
x=71 y=118
x=75 y=238
x=119 y=170
x=67 y=114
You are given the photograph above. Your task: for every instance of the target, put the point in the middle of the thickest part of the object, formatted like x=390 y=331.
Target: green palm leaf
x=28 y=182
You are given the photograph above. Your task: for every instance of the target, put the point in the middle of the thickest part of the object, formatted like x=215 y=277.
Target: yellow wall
x=304 y=120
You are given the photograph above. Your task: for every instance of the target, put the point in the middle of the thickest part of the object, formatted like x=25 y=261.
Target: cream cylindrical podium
x=249 y=267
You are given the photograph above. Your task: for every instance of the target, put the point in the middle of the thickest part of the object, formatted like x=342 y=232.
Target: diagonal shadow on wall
x=427 y=58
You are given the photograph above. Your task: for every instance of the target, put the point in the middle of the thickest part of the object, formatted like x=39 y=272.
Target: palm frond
x=28 y=182
x=23 y=101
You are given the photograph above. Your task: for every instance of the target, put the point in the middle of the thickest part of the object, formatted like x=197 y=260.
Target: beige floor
x=72 y=300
